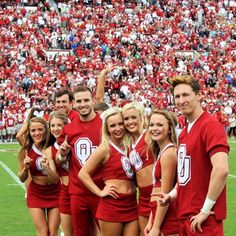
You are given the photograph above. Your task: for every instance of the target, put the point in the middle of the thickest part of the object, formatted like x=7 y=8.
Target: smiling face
x=56 y=126
x=186 y=100
x=84 y=103
x=116 y=127
x=159 y=128
x=37 y=132
x=132 y=120
x=63 y=103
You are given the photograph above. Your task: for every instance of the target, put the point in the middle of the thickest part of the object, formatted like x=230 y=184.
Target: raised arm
x=101 y=83
x=63 y=151
x=21 y=133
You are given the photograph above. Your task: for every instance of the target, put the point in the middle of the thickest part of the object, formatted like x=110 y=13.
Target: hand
x=155 y=231
x=27 y=162
x=109 y=191
x=65 y=147
x=45 y=164
x=197 y=220
x=148 y=228
x=107 y=69
x=162 y=198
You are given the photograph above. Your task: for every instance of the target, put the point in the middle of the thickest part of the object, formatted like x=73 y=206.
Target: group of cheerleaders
x=138 y=159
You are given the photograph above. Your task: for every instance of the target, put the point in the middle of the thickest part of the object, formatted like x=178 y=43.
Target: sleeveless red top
x=62 y=170
x=36 y=167
x=118 y=165
x=157 y=167
x=139 y=155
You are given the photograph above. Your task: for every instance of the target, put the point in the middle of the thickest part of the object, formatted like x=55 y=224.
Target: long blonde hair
x=105 y=133
x=172 y=121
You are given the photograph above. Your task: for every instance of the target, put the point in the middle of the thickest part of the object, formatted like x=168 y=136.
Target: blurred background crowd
x=46 y=45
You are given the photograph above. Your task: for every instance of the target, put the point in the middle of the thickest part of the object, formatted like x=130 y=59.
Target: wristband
x=61 y=158
x=173 y=193
x=208 y=204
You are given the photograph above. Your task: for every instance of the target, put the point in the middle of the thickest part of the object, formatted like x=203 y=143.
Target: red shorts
x=83 y=210
x=43 y=196
x=64 y=200
x=144 y=208
x=210 y=227
x=170 y=224
x=121 y=209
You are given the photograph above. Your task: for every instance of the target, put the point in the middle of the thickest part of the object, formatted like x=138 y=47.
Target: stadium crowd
x=45 y=48
x=146 y=63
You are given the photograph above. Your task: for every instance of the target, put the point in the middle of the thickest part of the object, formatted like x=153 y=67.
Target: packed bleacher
x=47 y=45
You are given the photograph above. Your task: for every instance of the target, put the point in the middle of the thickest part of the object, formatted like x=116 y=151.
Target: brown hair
x=82 y=89
x=185 y=79
x=63 y=92
x=28 y=141
x=172 y=121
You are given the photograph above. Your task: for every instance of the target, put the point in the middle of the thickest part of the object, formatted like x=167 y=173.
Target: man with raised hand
x=82 y=136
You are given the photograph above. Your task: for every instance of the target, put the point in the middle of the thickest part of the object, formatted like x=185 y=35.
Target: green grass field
x=14 y=216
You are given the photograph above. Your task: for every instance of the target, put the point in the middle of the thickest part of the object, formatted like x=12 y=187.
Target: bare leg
x=53 y=221
x=131 y=228
x=142 y=221
x=110 y=228
x=66 y=224
x=95 y=230
x=40 y=222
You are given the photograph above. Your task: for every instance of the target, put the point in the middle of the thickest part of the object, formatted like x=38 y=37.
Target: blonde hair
x=105 y=132
x=172 y=121
x=141 y=110
x=58 y=115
